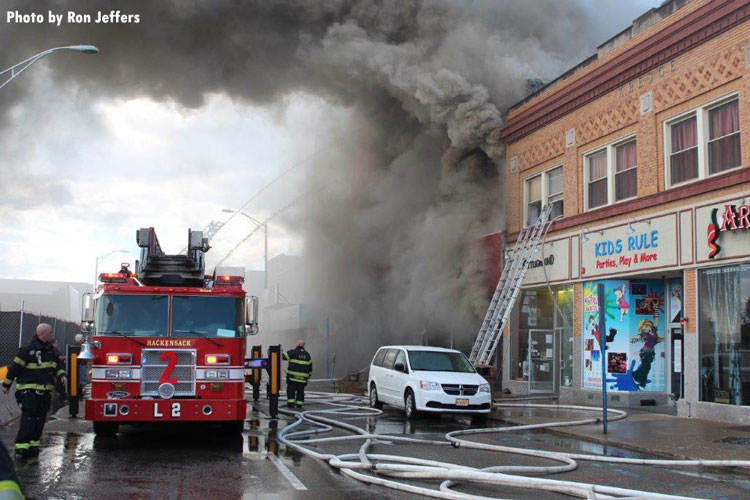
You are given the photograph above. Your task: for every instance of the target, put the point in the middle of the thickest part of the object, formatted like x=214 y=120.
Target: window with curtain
x=683 y=161
x=611 y=173
x=724 y=302
x=597 y=179
x=724 y=137
x=533 y=199
x=555 y=191
x=705 y=142
x=626 y=176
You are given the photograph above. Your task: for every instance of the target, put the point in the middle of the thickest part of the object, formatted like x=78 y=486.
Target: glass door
x=542 y=361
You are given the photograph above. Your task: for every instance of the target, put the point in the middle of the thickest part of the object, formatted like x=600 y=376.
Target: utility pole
x=603 y=350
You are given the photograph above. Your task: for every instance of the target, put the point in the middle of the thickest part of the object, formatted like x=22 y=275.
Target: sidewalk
x=646 y=432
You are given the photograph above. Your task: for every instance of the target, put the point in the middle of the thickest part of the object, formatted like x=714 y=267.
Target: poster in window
x=675 y=300
x=634 y=334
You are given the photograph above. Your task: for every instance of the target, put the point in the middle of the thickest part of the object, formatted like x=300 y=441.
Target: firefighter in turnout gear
x=34 y=369
x=297 y=374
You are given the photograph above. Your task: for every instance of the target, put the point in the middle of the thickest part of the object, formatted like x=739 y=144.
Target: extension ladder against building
x=508 y=288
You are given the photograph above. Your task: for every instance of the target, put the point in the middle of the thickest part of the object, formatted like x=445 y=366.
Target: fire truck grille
x=153 y=368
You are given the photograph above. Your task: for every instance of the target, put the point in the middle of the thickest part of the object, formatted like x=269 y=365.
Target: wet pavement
x=657 y=433
x=197 y=461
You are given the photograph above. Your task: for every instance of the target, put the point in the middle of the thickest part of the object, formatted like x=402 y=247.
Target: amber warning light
x=119 y=359
x=217 y=359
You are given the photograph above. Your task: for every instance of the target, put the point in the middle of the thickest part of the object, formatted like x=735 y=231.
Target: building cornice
x=681 y=36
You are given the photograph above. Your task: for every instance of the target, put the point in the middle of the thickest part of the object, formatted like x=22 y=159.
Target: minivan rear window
x=390 y=357
x=378 y=361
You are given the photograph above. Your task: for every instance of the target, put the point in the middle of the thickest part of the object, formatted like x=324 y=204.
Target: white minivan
x=427 y=379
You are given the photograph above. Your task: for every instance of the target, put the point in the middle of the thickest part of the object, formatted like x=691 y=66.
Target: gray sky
x=91 y=167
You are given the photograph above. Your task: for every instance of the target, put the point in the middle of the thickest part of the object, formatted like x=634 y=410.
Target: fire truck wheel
x=106 y=429
x=233 y=427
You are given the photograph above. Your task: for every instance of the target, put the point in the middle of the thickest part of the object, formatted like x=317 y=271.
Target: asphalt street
x=197 y=461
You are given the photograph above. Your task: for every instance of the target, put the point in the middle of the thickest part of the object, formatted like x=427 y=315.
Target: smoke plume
x=417 y=173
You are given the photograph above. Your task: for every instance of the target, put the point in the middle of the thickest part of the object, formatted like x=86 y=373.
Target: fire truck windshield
x=206 y=316
x=137 y=315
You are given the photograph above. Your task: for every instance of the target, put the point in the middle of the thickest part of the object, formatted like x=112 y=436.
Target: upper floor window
x=611 y=174
x=703 y=142
x=724 y=137
x=542 y=189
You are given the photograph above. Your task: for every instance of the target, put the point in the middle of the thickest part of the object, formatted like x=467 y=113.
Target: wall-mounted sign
x=553 y=260
x=640 y=245
x=727 y=229
x=733 y=217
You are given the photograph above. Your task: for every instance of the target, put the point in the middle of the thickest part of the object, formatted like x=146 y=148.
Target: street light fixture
x=19 y=68
x=101 y=258
x=261 y=225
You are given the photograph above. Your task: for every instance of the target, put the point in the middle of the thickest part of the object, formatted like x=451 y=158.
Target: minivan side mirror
x=399 y=367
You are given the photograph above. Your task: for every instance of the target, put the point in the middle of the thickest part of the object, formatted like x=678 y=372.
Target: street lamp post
x=101 y=258
x=19 y=68
x=264 y=227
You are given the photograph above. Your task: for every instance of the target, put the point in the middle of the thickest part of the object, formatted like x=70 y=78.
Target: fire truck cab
x=167 y=343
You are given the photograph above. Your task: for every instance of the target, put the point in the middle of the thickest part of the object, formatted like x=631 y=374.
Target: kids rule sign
x=639 y=245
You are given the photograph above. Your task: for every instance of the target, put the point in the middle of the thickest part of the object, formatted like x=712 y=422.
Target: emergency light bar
x=227 y=276
x=114 y=277
x=256 y=363
x=229 y=280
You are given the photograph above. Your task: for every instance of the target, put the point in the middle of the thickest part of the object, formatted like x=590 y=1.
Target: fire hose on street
x=384 y=469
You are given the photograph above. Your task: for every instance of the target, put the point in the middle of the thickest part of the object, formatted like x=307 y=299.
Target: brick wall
x=713 y=69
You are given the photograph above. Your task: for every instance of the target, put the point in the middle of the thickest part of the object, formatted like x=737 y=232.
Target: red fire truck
x=167 y=343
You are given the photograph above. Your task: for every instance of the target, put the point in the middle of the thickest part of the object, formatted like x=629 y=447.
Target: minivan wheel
x=374 y=402
x=410 y=406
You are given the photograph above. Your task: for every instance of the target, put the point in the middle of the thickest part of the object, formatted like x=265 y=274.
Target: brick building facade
x=643 y=151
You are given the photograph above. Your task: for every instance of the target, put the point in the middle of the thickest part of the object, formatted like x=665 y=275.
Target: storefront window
x=535 y=310
x=565 y=333
x=725 y=335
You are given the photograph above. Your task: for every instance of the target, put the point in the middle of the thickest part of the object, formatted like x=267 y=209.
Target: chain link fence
x=12 y=327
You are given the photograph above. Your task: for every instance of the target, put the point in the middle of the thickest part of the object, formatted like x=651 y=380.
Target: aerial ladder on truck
x=508 y=287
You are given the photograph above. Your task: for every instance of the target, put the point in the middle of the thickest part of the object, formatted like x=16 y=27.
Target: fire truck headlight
x=117 y=374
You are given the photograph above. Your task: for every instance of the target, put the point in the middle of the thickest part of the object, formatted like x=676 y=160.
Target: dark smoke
x=418 y=173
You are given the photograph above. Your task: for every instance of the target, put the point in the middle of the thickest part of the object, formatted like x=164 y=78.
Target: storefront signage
x=631 y=247
x=727 y=228
x=732 y=218
x=548 y=261
x=551 y=263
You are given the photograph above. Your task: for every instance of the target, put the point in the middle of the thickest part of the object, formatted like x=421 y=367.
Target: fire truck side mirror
x=87 y=313
x=251 y=315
